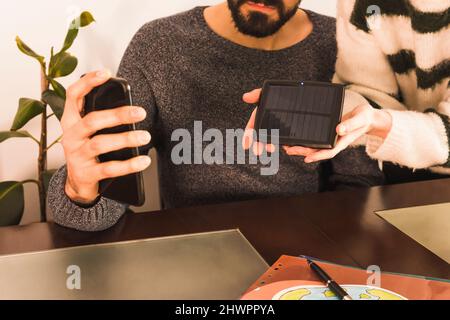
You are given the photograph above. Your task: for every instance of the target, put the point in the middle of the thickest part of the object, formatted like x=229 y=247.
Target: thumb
x=252 y=96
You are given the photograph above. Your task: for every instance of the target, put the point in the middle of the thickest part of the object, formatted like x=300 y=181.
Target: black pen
x=331 y=284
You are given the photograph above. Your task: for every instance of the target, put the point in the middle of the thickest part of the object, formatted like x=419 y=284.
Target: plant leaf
x=86 y=19
x=58 y=87
x=5 y=135
x=28 y=109
x=70 y=38
x=55 y=102
x=83 y=20
x=11 y=203
x=62 y=64
x=28 y=51
x=47 y=176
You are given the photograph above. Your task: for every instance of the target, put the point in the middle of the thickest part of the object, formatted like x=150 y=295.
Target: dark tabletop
x=340 y=227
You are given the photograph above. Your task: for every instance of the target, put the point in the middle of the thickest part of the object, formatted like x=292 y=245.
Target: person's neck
x=298 y=28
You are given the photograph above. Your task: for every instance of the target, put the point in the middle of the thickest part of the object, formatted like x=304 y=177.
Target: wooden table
x=340 y=227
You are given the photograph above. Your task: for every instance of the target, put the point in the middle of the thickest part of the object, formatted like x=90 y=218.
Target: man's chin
x=261 y=31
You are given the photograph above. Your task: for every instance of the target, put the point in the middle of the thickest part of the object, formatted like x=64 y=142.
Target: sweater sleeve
x=417 y=140
x=106 y=212
x=101 y=216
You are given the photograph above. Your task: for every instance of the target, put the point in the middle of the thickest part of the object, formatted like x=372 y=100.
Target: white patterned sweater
x=394 y=54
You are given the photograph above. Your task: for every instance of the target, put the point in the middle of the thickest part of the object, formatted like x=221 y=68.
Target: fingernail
x=308 y=160
x=145 y=137
x=342 y=130
x=138 y=113
x=144 y=162
x=103 y=74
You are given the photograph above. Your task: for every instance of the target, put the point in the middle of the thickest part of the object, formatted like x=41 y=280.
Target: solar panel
x=305 y=113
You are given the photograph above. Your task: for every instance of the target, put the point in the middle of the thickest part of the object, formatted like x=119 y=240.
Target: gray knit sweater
x=181 y=72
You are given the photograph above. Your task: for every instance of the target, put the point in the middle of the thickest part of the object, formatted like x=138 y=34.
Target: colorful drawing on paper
x=309 y=290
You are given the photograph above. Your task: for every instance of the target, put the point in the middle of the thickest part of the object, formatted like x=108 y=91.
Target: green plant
x=61 y=64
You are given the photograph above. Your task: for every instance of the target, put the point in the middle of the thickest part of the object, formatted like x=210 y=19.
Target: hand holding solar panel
x=305 y=113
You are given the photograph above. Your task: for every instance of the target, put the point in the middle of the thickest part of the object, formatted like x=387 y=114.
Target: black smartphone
x=306 y=113
x=127 y=189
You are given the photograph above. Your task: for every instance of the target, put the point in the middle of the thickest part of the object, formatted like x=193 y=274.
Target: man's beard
x=257 y=24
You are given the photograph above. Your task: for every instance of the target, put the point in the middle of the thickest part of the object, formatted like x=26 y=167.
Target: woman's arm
x=413 y=139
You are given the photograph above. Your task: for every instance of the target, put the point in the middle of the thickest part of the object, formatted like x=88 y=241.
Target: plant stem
x=54 y=142
x=34 y=139
x=42 y=160
x=50 y=115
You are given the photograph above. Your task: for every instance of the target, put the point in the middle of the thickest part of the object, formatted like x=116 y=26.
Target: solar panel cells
x=306 y=113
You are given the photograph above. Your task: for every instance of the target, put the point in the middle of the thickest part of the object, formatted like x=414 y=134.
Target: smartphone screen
x=126 y=189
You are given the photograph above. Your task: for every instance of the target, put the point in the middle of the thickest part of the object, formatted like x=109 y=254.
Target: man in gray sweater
x=193 y=67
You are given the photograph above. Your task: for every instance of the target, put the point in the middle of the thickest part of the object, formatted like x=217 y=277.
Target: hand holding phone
x=84 y=142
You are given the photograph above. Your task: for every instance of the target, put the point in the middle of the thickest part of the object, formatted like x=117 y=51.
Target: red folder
x=290 y=278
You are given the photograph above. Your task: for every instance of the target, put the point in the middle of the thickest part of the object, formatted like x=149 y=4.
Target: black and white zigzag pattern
x=422 y=22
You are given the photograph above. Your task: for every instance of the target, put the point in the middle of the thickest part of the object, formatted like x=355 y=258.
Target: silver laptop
x=217 y=265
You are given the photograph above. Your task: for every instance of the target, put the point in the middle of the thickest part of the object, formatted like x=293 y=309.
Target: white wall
x=42 y=24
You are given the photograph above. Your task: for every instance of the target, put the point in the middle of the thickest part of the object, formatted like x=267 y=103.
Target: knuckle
x=90 y=122
x=121 y=115
x=107 y=171
x=89 y=76
x=360 y=109
x=132 y=138
x=95 y=146
x=72 y=92
x=112 y=116
x=124 y=114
